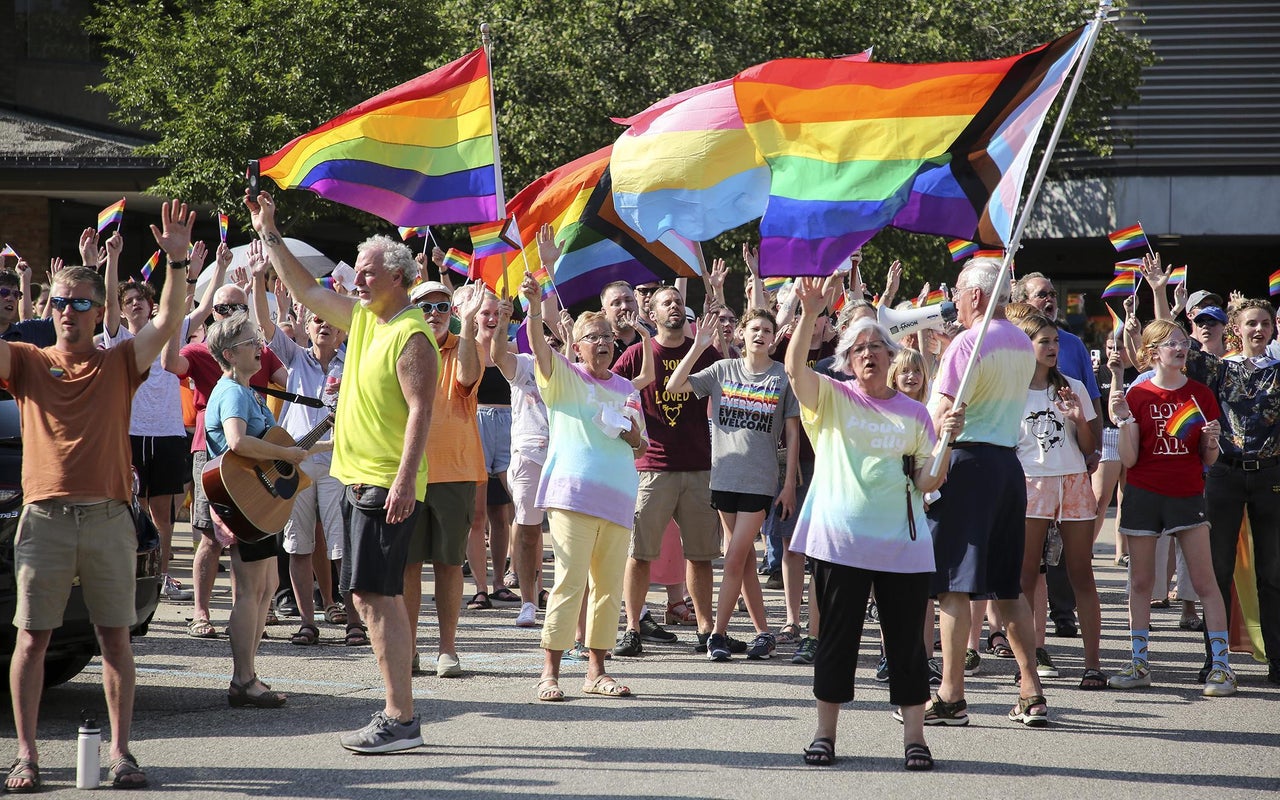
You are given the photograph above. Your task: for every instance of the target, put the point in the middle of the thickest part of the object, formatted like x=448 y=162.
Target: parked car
x=73 y=645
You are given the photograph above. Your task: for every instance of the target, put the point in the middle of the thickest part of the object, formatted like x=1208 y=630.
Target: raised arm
x=111 y=322
x=751 y=257
x=502 y=357
x=678 y=381
x=470 y=370
x=531 y=292
x=648 y=372
x=173 y=239
x=891 y=283
x=1156 y=278
x=804 y=381
x=328 y=304
x=259 y=311
x=220 y=266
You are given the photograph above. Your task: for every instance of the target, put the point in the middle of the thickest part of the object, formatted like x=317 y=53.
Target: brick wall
x=24 y=223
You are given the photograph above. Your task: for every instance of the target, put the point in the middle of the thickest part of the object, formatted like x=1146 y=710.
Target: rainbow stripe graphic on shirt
x=1184 y=419
x=749 y=406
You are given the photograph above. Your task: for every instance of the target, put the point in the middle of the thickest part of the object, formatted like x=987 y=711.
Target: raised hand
x=1154 y=273
x=1180 y=296
x=707 y=329
x=893 y=279
x=55 y=266
x=90 y=255
x=529 y=288
x=548 y=253
x=437 y=257
x=717 y=276
x=115 y=245
x=812 y=295
x=262 y=211
x=258 y=262
x=751 y=257
x=1069 y=404
x=174 y=233
x=199 y=254
x=240 y=277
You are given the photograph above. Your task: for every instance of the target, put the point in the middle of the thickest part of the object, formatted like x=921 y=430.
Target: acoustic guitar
x=255 y=498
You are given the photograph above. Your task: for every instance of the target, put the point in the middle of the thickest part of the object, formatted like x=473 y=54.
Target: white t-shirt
x=157 y=405
x=1047 y=445
x=528 y=412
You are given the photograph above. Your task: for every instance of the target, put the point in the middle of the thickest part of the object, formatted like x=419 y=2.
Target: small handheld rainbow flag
x=959 y=248
x=1129 y=265
x=1178 y=276
x=223 y=221
x=544 y=281
x=1128 y=238
x=838 y=305
x=1117 y=326
x=327 y=282
x=933 y=298
x=151 y=264
x=989 y=254
x=1124 y=285
x=495 y=238
x=418 y=230
x=1188 y=415
x=111 y=215
x=457 y=261
x=1274 y=283
x=9 y=251
x=775 y=283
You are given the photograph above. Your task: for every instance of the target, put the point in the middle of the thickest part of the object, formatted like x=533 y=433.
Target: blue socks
x=1218 y=645
x=1139 y=642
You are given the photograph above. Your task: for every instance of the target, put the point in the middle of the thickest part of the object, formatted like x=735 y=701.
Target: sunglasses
x=441 y=307
x=227 y=309
x=5 y=291
x=78 y=303
x=258 y=344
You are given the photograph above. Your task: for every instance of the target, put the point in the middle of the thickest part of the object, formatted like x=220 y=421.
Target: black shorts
x=261 y=550
x=1145 y=513
x=739 y=502
x=162 y=464
x=374 y=552
x=495 y=493
x=979 y=524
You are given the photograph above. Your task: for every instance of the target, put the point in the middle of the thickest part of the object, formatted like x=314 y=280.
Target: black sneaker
x=628 y=645
x=774 y=582
x=651 y=631
x=807 y=652
x=736 y=646
x=718 y=647
x=935 y=672
x=701 y=646
x=384 y=735
x=882 y=670
x=762 y=646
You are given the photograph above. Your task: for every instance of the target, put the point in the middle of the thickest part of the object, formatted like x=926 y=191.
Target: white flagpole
x=1104 y=6
x=493 y=115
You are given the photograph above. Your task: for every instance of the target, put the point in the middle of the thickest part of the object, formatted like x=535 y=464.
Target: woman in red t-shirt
x=1165 y=493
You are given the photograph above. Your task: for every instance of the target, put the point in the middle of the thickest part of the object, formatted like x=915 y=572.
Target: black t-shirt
x=1103 y=375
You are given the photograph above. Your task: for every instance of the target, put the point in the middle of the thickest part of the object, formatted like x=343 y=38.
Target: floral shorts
x=1066 y=498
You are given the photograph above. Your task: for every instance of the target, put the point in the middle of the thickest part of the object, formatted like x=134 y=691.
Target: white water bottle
x=88 y=756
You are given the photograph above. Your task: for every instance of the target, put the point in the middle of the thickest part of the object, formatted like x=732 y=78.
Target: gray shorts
x=200 y=517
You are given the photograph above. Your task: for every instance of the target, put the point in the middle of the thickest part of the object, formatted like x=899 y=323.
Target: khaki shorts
x=685 y=497
x=1066 y=498
x=440 y=536
x=322 y=499
x=57 y=542
x=523 y=475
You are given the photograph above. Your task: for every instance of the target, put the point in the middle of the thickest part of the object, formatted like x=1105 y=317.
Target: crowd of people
x=960 y=473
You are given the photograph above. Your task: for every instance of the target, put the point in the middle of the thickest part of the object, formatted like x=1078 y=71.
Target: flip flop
x=606 y=686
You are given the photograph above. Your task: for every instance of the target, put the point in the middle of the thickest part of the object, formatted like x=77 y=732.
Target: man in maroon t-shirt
x=195 y=361
x=675 y=478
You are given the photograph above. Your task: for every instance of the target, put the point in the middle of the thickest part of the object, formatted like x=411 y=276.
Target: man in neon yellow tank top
x=384 y=411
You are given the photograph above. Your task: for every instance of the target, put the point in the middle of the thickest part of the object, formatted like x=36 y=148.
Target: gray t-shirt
x=747 y=414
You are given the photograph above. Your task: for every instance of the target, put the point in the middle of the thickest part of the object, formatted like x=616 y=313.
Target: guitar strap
x=301 y=399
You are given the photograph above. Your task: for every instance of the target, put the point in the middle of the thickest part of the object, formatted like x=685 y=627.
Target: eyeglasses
x=441 y=307
x=597 y=338
x=1048 y=294
x=258 y=344
x=81 y=304
x=5 y=291
x=874 y=348
x=227 y=309
x=1172 y=345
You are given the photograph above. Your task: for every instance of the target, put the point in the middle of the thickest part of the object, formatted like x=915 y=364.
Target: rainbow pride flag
x=933 y=298
x=1129 y=265
x=421 y=152
x=996 y=254
x=490 y=239
x=930 y=148
x=416 y=230
x=1187 y=416
x=327 y=282
x=111 y=215
x=544 y=280
x=457 y=261
x=1117 y=326
x=1124 y=285
x=960 y=249
x=1273 y=283
x=775 y=283
x=223 y=222
x=150 y=266
x=9 y=251
x=1128 y=238
x=1178 y=276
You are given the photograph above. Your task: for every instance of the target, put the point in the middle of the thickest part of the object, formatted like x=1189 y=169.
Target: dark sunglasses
x=227 y=309
x=5 y=291
x=441 y=307
x=78 y=303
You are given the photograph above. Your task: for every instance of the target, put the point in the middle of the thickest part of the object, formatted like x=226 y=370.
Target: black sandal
x=821 y=752
x=479 y=602
x=357 y=635
x=1093 y=680
x=918 y=758
x=306 y=636
x=126 y=774
x=1000 y=649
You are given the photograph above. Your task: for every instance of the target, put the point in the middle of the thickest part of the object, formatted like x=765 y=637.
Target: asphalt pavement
x=695 y=729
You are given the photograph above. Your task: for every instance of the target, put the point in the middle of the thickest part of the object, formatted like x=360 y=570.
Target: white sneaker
x=447 y=666
x=1135 y=675
x=528 y=616
x=1219 y=682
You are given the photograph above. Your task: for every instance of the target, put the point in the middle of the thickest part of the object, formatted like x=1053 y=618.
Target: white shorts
x=523 y=475
x=323 y=500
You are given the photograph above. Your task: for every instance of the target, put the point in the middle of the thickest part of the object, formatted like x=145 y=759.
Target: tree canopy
x=217 y=82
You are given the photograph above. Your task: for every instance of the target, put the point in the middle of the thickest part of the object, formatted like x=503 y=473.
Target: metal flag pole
x=1006 y=267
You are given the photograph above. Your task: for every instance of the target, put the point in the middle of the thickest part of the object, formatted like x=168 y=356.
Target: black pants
x=842 y=594
x=1062 y=598
x=1229 y=492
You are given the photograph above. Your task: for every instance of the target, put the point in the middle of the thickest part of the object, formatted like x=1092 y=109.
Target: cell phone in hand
x=251 y=176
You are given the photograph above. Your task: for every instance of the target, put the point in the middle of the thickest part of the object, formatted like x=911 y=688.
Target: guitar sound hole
x=285 y=469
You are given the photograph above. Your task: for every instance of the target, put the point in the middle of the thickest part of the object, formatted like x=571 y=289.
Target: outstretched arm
x=173 y=239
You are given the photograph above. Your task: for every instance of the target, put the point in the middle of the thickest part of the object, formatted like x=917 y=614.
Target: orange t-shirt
x=453 y=441
x=74 y=409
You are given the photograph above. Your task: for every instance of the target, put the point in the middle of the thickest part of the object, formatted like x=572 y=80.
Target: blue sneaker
x=762 y=646
x=718 y=647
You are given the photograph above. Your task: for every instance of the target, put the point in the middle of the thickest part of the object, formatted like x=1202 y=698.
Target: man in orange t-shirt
x=457 y=464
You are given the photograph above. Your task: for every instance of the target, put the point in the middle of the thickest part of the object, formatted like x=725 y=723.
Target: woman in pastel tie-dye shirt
x=863 y=522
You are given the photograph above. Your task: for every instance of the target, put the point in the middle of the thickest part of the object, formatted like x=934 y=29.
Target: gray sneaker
x=173 y=590
x=762 y=646
x=806 y=652
x=384 y=735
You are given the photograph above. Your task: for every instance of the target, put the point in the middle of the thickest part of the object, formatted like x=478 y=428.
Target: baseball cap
x=1204 y=297
x=1213 y=312
x=429 y=287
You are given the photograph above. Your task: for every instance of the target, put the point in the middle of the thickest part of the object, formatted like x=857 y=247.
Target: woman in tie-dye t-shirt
x=863 y=522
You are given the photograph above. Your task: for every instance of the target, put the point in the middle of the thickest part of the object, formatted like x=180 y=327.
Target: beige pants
x=585 y=546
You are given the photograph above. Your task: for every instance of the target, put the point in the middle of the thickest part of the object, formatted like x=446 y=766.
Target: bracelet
x=183 y=264
x=1120 y=423
x=192 y=281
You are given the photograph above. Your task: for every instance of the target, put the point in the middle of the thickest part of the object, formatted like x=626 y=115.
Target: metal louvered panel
x=1213 y=100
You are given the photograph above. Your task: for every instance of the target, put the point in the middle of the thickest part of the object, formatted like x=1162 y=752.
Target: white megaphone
x=902 y=324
